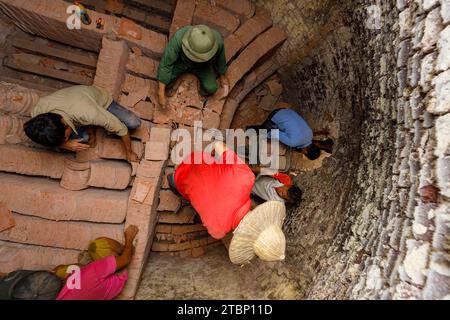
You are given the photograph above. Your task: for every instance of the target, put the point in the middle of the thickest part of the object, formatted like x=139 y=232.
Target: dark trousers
x=129 y=118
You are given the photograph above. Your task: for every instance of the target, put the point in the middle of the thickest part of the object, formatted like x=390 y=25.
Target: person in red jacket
x=218 y=187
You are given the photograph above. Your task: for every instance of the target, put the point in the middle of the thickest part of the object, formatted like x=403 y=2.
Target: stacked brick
x=79 y=206
x=143 y=203
x=386 y=234
x=96 y=193
x=48 y=19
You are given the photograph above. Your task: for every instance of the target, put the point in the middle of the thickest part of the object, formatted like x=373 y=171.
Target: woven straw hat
x=199 y=43
x=260 y=233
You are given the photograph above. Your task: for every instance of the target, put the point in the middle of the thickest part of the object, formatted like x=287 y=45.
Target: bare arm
x=74 y=145
x=131 y=156
x=162 y=95
x=125 y=258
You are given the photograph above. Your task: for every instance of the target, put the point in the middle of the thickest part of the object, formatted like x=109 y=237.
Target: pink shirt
x=98 y=282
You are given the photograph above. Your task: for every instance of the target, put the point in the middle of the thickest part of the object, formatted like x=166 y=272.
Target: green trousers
x=204 y=72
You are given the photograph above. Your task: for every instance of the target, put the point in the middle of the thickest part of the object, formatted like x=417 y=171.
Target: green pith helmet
x=199 y=43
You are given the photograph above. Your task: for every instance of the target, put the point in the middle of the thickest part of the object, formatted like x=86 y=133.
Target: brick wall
x=373 y=220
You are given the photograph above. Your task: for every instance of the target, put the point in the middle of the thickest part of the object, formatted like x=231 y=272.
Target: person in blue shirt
x=294 y=131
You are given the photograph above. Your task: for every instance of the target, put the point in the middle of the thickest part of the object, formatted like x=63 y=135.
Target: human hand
x=75 y=145
x=224 y=82
x=162 y=100
x=131 y=232
x=132 y=157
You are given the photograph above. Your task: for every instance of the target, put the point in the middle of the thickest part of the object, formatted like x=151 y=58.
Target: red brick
x=48 y=18
x=142 y=66
x=143 y=191
x=143 y=132
x=70 y=235
x=145 y=217
x=247 y=33
x=129 y=29
x=113 y=53
x=265 y=43
x=133 y=83
x=250 y=81
x=44 y=198
x=233 y=45
x=243 y=8
x=216 y=17
x=28 y=257
x=11 y=130
x=168 y=201
x=186 y=93
x=110 y=174
x=254 y=27
x=144 y=110
x=15 y=99
x=150 y=42
x=113 y=148
x=150 y=169
x=183 y=15
x=88 y=155
x=167 y=246
x=75 y=180
x=6 y=219
x=29 y=161
x=179 y=229
x=157 y=150
x=181 y=115
x=186 y=215
x=210 y=119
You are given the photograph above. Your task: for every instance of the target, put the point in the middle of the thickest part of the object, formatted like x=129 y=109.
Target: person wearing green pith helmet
x=198 y=50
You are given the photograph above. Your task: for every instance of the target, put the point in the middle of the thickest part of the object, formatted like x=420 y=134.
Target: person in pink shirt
x=100 y=280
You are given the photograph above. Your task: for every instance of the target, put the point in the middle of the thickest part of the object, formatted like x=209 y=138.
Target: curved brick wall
x=374 y=220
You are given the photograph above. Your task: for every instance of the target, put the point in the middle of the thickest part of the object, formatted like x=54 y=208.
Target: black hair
x=46 y=129
x=294 y=195
x=313 y=152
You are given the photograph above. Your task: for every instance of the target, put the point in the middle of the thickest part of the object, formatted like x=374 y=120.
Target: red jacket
x=219 y=192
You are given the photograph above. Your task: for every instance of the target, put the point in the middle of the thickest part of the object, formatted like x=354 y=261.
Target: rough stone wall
x=374 y=220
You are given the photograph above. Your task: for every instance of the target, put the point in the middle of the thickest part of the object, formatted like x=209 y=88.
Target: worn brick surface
x=109 y=174
x=185 y=215
x=44 y=198
x=28 y=257
x=243 y=8
x=15 y=99
x=70 y=235
x=168 y=201
x=142 y=66
x=246 y=33
x=36 y=162
x=255 y=51
x=7 y=220
x=183 y=15
x=113 y=53
x=215 y=17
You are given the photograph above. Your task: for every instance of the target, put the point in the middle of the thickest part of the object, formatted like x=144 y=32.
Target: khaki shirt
x=82 y=106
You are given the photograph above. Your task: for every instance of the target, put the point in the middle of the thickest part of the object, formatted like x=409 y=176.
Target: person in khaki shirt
x=61 y=119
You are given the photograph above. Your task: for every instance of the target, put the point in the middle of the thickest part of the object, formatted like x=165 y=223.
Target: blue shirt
x=294 y=131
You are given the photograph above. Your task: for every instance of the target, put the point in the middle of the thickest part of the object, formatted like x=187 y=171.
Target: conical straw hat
x=259 y=233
